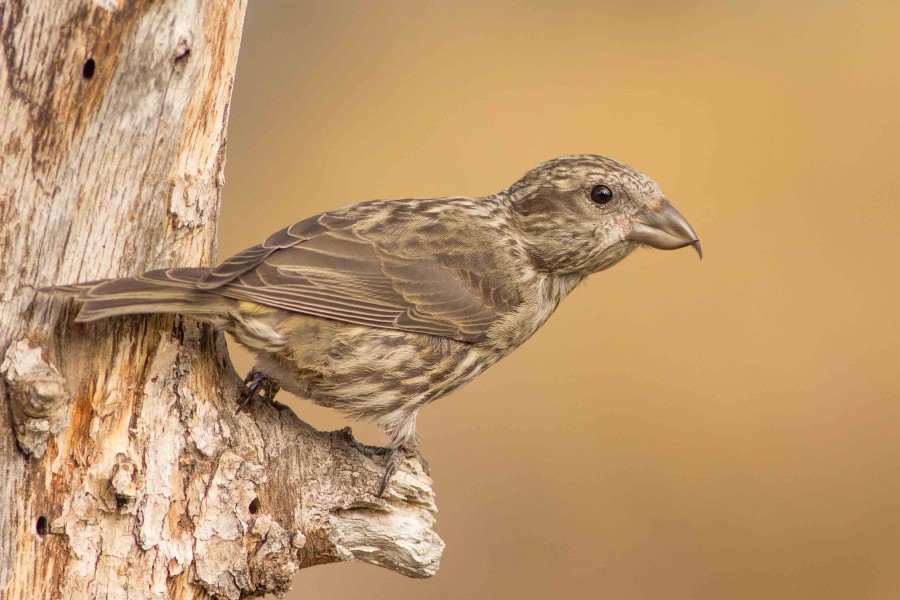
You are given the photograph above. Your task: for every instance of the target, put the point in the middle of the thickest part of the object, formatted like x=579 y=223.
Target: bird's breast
x=542 y=298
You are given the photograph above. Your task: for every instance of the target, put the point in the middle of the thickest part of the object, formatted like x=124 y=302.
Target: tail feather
x=162 y=291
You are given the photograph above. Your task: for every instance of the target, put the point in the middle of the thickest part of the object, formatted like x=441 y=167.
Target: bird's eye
x=601 y=194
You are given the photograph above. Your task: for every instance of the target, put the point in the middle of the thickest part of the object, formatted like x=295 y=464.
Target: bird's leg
x=412 y=447
x=395 y=455
x=259 y=386
x=401 y=430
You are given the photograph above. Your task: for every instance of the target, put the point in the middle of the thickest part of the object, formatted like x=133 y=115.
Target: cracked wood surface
x=124 y=470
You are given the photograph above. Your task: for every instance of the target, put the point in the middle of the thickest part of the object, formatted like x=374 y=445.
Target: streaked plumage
x=380 y=307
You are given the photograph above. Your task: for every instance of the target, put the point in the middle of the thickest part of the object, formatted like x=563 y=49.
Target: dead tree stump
x=124 y=470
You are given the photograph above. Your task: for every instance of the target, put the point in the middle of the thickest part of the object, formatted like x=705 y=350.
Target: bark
x=124 y=469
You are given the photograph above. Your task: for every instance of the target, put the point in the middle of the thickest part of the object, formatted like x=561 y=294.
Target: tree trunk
x=124 y=469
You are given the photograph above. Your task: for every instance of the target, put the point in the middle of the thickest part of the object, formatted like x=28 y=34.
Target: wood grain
x=124 y=470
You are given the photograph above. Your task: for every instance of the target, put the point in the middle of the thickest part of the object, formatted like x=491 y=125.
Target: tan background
x=724 y=429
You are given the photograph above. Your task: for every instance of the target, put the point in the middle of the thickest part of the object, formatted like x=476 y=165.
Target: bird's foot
x=259 y=387
x=395 y=456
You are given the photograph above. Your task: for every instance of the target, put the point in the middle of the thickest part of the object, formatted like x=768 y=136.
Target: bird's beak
x=662 y=227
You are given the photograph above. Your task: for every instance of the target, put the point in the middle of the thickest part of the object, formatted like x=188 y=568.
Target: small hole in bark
x=88 y=70
x=41 y=526
x=254 y=506
x=121 y=502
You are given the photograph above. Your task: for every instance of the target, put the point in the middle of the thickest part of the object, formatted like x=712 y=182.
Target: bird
x=378 y=308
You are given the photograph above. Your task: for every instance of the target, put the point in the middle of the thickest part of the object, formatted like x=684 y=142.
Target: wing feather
x=372 y=272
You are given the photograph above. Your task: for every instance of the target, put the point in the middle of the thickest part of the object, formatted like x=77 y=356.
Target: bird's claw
x=259 y=387
x=394 y=457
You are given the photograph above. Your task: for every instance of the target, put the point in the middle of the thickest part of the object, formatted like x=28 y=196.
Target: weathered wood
x=124 y=470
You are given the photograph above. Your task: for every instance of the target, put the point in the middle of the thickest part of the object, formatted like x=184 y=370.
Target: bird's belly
x=369 y=372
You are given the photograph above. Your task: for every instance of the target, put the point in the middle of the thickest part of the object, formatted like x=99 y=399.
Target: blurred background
x=679 y=429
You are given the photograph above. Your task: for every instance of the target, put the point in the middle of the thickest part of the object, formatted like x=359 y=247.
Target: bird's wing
x=251 y=257
x=398 y=273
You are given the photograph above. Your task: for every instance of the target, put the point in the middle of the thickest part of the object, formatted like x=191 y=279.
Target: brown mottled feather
x=367 y=267
x=378 y=308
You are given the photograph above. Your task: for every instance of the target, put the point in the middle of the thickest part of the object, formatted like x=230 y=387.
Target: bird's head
x=581 y=214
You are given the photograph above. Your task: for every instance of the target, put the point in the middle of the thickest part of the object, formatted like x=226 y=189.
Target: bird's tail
x=162 y=291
